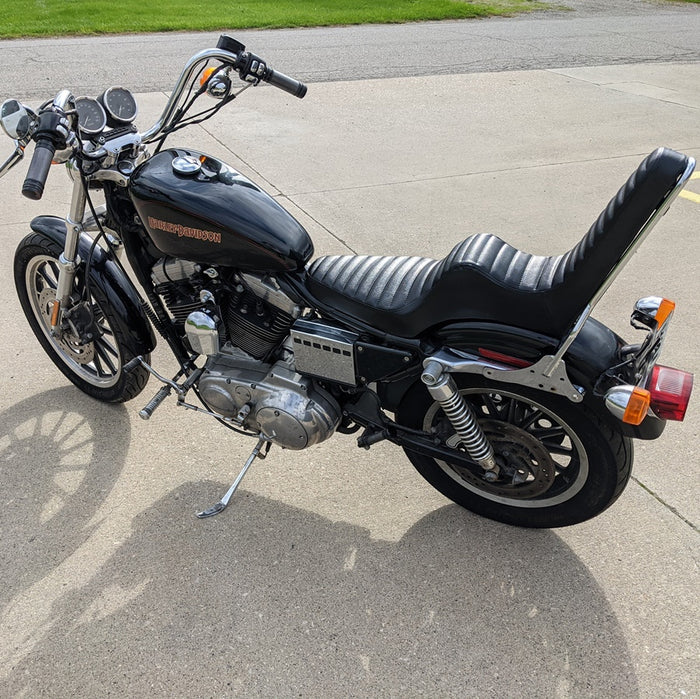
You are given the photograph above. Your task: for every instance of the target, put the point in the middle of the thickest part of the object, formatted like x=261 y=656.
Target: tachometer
x=91 y=116
x=119 y=104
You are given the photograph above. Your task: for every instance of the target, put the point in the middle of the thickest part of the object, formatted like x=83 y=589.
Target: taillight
x=670 y=391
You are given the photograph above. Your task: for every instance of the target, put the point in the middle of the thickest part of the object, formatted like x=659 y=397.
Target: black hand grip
x=33 y=187
x=284 y=82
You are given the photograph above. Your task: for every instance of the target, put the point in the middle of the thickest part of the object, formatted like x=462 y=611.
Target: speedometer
x=91 y=116
x=119 y=104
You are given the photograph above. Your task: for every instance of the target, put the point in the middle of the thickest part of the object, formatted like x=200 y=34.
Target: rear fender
x=106 y=275
x=595 y=350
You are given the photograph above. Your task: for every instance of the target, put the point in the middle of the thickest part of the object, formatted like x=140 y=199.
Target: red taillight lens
x=670 y=392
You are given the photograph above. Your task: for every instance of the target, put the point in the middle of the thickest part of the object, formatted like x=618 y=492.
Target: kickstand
x=221 y=505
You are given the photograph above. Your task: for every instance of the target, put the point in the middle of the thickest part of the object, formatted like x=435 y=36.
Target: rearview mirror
x=15 y=120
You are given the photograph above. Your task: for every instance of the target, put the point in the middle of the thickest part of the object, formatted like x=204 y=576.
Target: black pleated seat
x=485 y=278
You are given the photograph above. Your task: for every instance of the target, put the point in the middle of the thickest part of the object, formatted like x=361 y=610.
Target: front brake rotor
x=81 y=353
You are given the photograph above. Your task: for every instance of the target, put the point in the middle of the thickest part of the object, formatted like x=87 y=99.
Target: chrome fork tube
x=443 y=389
x=68 y=261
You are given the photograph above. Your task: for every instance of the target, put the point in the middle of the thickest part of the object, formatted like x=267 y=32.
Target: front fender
x=107 y=276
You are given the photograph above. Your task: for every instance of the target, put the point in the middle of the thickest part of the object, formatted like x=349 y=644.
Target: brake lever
x=13 y=159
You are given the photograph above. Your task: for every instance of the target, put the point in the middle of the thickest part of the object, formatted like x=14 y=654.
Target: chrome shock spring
x=443 y=389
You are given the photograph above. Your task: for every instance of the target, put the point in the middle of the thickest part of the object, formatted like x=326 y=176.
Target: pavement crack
x=671 y=508
x=475 y=173
x=318 y=223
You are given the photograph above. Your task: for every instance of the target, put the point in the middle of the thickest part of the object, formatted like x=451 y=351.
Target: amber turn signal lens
x=205 y=76
x=666 y=308
x=638 y=406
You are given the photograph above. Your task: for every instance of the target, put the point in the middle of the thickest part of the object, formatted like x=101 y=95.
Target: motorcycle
x=486 y=366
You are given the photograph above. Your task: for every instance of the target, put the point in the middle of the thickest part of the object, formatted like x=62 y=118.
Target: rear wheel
x=560 y=463
x=95 y=366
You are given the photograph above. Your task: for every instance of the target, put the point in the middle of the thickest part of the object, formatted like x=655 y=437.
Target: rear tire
x=560 y=463
x=96 y=367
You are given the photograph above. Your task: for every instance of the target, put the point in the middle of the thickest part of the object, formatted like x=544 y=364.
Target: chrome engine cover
x=284 y=405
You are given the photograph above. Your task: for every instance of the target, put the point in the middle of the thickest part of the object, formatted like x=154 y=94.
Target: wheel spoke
x=529 y=419
x=49 y=281
x=490 y=405
x=554 y=448
x=102 y=354
x=548 y=433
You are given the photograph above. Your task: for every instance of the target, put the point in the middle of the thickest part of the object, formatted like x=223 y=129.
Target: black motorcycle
x=485 y=366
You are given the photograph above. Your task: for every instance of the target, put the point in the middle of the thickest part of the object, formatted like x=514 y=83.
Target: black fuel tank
x=215 y=215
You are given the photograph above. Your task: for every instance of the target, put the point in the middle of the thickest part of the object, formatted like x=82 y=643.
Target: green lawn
x=71 y=17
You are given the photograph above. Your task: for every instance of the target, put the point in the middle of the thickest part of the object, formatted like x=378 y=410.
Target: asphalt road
x=592 y=33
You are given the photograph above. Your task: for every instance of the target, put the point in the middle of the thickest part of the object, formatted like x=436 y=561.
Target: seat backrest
x=600 y=250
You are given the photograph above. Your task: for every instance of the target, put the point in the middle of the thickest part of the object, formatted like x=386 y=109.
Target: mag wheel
x=560 y=463
x=95 y=366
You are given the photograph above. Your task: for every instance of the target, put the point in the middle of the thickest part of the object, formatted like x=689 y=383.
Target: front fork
x=69 y=260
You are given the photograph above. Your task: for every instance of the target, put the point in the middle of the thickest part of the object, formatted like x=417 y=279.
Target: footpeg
x=223 y=503
x=152 y=404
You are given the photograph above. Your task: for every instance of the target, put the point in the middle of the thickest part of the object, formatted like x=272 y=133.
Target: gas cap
x=186 y=165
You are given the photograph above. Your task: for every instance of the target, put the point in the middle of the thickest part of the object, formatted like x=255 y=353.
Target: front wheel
x=95 y=366
x=560 y=463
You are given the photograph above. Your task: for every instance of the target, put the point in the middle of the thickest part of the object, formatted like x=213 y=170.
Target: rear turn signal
x=666 y=308
x=670 y=391
x=628 y=403
x=637 y=407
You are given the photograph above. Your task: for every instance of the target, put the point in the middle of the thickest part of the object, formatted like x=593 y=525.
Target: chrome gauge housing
x=120 y=105
x=92 y=118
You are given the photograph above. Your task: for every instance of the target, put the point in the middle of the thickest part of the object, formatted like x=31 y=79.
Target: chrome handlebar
x=182 y=83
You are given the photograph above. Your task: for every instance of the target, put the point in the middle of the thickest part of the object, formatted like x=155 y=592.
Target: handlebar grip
x=284 y=82
x=33 y=187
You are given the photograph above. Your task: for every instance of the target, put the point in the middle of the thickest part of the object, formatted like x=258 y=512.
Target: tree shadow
x=271 y=600
x=57 y=465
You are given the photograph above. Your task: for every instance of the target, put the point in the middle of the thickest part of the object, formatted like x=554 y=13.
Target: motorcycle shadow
x=60 y=455
x=272 y=600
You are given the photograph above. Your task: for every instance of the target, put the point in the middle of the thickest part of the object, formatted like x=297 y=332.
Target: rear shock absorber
x=443 y=389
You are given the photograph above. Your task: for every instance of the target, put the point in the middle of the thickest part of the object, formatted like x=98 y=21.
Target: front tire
x=96 y=367
x=560 y=463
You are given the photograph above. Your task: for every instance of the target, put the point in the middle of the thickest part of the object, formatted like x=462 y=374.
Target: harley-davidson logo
x=184 y=231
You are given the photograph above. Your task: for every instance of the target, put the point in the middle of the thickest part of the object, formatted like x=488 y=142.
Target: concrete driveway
x=335 y=571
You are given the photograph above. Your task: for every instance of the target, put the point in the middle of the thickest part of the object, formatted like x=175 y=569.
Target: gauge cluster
x=115 y=107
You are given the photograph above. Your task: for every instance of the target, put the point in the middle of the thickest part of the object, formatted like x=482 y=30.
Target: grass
x=23 y=18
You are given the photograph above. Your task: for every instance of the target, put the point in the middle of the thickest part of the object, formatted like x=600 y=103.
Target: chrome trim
x=183 y=81
x=14 y=158
x=63 y=99
x=324 y=350
x=202 y=333
x=547 y=374
x=443 y=389
x=267 y=288
x=617 y=399
x=110 y=112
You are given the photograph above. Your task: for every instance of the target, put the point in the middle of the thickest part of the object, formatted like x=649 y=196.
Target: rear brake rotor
x=526 y=467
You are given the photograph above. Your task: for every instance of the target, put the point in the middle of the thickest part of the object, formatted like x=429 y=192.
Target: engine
x=289 y=408
x=241 y=321
x=251 y=311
